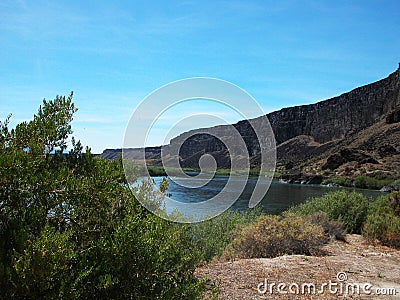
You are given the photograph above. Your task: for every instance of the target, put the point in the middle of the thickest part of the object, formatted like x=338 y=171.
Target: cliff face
x=305 y=132
x=340 y=116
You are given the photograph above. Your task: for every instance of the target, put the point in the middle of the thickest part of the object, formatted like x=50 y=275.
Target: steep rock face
x=111 y=153
x=339 y=116
x=393 y=117
x=315 y=128
x=197 y=142
x=325 y=121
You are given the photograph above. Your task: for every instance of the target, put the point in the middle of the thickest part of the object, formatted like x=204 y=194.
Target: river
x=279 y=197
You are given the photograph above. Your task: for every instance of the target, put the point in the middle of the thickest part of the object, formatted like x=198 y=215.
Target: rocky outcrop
x=299 y=178
x=388 y=189
x=393 y=117
x=348 y=155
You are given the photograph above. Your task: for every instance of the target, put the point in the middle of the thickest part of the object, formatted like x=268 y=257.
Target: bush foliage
x=373 y=182
x=273 y=236
x=348 y=208
x=376 y=219
x=71 y=228
x=383 y=221
x=212 y=236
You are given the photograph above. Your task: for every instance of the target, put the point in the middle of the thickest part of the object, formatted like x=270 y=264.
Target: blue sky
x=114 y=53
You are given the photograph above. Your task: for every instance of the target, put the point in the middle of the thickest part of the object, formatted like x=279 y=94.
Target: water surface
x=279 y=197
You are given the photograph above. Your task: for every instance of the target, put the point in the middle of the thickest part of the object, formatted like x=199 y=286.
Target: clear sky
x=114 y=53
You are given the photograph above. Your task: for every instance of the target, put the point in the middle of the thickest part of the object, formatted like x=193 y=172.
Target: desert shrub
x=338 y=181
x=394 y=199
x=333 y=229
x=385 y=204
x=156 y=171
x=44 y=260
x=383 y=221
x=373 y=183
x=383 y=227
x=213 y=235
x=273 y=236
x=365 y=182
x=348 y=208
x=396 y=184
x=384 y=176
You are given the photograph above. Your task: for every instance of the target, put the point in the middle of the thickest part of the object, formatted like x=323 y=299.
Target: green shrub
x=383 y=227
x=383 y=221
x=212 y=236
x=339 y=181
x=43 y=263
x=273 y=236
x=373 y=183
x=333 y=229
x=156 y=171
x=348 y=208
x=70 y=227
x=396 y=184
x=365 y=182
x=394 y=199
x=381 y=205
x=384 y=176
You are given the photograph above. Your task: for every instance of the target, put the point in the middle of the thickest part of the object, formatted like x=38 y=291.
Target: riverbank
x=386 y=182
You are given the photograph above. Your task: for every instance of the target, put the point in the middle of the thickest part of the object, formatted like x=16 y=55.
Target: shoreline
x=292 y=179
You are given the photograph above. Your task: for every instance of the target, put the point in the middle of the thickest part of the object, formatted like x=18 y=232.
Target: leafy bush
x=373 y=182
x=377 y=219
x=384 y=176
x=212 y=236
x=396 y=184
x=333 y=229
x=338 y=181
x=348 y=208
x=383 y=227
x=394 y=199
x=365 y=182
x=273 y=236
x=156 y=171
x=45 y=260
x=383 y=222
x=70 y=227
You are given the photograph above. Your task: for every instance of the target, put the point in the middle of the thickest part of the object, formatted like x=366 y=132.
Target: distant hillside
x=355 y=131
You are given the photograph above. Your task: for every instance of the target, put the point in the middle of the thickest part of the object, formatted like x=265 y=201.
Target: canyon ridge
x=355 y=133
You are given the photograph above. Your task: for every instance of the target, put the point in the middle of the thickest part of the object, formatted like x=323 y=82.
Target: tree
x=70 y=226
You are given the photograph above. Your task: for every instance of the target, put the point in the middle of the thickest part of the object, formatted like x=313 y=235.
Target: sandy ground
x=346 y=263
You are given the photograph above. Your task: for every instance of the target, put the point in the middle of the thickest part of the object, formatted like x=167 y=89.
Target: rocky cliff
x=308 y=134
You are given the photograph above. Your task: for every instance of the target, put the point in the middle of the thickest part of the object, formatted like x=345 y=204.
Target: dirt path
x=361 y=263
